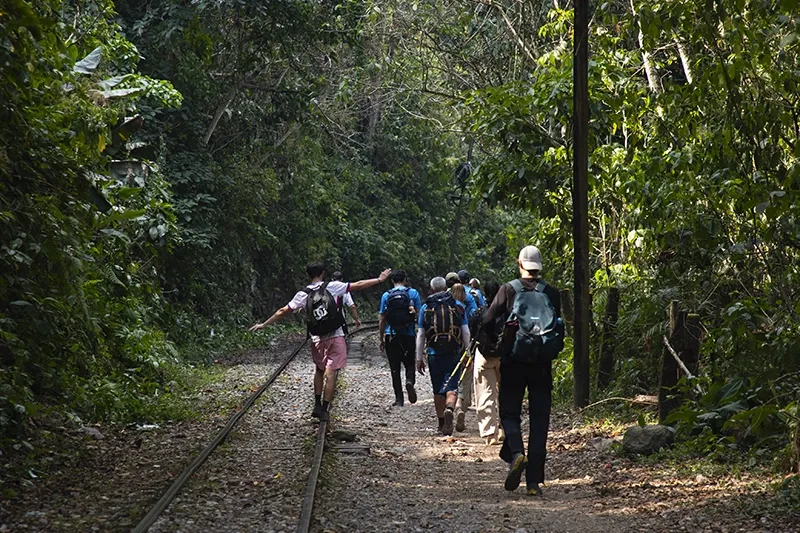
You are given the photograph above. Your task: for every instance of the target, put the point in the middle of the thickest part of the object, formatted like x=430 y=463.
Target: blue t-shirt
x=481 y=298
x=470 y=305
x=421 y=319
x=416 y=301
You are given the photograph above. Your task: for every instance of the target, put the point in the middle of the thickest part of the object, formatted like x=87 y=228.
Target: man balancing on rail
x=321 y=301
x=441 y=338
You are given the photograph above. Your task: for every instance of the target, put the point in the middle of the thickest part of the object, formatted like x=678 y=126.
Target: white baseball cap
x=530 y=258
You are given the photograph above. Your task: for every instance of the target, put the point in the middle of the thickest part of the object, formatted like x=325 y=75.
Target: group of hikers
x=500 y=343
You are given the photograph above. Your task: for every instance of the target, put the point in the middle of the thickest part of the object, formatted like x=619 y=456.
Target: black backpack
x=398 y=316
x=490 y=343
x=539 y=333
x=323 y=311
x=442 y=323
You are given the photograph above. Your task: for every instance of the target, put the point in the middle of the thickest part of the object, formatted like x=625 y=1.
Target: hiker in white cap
x=529 y=313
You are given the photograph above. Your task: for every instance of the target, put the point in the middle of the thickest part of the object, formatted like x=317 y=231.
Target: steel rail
x=162 y=504
x=307 y=510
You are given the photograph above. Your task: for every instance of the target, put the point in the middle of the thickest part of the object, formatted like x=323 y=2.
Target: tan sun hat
x=530 y=258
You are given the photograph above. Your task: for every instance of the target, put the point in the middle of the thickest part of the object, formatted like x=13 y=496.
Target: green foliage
x=739 y=415
x=78 y=323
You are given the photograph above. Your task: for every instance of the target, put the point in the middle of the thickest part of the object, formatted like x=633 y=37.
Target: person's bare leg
x=452 y=398
x=330 y=384
x=439 y=402
x=319 y=374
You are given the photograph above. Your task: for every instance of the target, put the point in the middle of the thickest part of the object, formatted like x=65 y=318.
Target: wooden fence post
x=567 y=313
x=684 y=336
x=605 y=370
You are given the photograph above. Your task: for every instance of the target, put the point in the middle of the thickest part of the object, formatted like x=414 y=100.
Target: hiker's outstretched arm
x=277 y=315
x=367 y=283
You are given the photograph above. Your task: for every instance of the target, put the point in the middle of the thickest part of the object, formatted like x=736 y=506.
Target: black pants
x=400 y=351
x=515 y=378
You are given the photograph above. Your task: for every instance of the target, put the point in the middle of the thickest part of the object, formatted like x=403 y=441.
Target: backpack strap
x=540 y=285
x=517 y=284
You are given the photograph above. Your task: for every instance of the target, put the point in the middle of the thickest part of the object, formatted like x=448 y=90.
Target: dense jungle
x=169 y=167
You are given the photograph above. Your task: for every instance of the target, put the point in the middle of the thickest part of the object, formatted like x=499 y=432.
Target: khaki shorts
x=330 y=353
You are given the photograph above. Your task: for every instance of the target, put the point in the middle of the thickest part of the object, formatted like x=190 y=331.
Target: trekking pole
x=454 y=372
x=473 y=345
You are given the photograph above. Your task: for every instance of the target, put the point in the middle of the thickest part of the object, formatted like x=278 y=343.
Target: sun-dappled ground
x=415 y=481
x=398 y=476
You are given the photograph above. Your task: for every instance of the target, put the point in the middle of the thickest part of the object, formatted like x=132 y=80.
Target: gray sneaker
x=447 y=429
x=460 y=416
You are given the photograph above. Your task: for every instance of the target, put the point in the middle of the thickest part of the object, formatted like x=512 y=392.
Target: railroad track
x=307 y=509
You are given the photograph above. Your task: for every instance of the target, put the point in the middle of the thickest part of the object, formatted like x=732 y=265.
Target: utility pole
x=580 y=201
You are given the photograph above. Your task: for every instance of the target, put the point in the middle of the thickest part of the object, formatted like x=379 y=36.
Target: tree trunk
x=606 y=367
x=650 y=71
x=687 y=68
x=580 y=202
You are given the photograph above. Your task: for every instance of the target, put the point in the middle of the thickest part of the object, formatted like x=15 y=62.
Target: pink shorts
x=330 y=353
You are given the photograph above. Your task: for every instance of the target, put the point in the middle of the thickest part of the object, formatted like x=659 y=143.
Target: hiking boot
x=534 y=491
x=515 y=470
x=447 y=429
x=412 y=392
x=317 y=410
x=460 y=416
x=324 y=416
x=398 y=402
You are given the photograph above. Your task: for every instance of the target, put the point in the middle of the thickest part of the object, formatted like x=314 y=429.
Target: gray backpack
x=539 y=332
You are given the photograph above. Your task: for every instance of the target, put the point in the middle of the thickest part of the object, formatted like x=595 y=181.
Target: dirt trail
x=414 y=481
x=410 y=480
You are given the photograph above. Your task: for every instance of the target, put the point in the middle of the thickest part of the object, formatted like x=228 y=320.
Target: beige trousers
x=487 y=387
x=465 y=387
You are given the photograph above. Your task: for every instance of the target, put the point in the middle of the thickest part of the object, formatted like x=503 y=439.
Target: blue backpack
x=539 y=334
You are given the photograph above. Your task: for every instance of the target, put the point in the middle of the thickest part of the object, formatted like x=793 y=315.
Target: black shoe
x=412 y=392
x=324 y=416
x=317 y=410
x=515 y=470
x=398 y=403
x=534 y=491
x=447 y=429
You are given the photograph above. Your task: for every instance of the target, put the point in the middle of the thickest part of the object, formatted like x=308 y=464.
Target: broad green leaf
x=89 y=64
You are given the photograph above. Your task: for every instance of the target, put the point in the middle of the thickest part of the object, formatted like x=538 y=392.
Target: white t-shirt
x=336 y=288
x=347 y=301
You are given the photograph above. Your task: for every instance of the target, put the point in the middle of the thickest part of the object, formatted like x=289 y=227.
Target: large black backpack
x=539 y=332
x=398 y=315
x=442 y=323
x=323 y=311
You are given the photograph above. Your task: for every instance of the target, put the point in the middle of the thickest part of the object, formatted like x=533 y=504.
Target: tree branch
x=510 y=25
x=218 y=115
